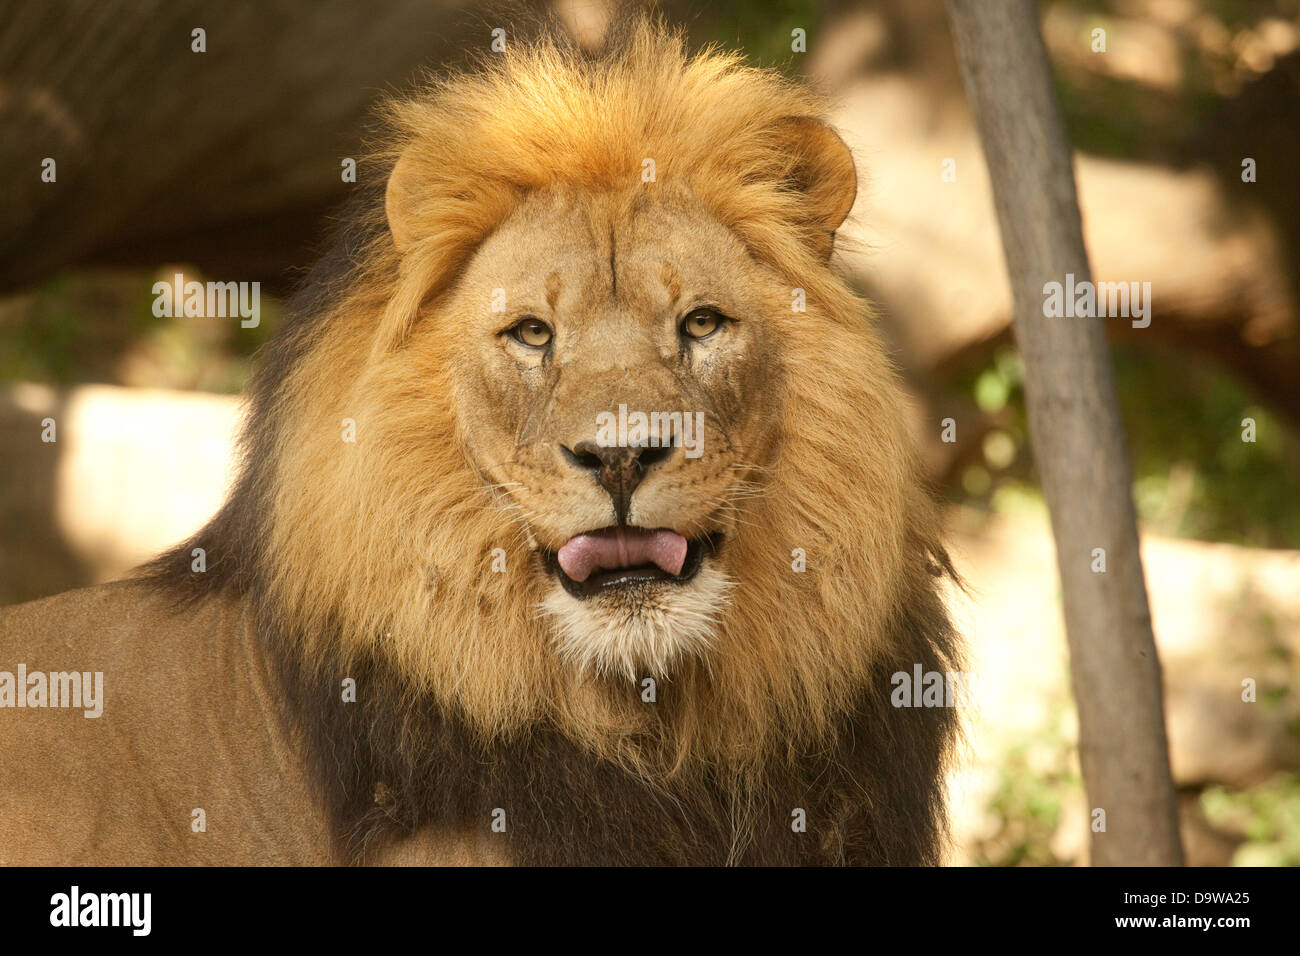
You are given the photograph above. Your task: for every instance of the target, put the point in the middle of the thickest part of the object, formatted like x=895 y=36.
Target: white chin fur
x=639 y=636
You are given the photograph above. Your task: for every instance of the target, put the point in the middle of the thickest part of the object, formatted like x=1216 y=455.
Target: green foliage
x=42 y=345
x=762 y=31
x=1194 y=475
x=1267 y=816
x=1117 y=116
x=100 y=327
x=1035 y=782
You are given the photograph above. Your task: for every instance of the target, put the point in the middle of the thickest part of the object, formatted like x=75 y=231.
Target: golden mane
x=382 y=548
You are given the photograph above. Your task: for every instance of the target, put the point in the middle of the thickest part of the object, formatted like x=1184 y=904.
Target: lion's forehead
x=560 y=251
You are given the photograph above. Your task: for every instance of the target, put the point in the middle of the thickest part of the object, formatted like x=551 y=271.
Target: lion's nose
x=618 y=468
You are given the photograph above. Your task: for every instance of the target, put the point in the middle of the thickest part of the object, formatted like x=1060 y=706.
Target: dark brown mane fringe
x=394 y=762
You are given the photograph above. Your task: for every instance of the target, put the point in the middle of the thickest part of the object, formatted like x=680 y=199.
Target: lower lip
x=644 y=576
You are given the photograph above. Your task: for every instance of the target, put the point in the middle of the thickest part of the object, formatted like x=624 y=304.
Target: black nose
x=618 y=468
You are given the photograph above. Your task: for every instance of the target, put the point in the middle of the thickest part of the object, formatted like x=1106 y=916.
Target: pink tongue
x=584 y=554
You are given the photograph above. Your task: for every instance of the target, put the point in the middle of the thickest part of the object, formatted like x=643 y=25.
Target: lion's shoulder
x=67 y=613
x=121 y=715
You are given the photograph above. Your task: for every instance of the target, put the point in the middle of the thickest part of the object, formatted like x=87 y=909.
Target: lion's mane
x=372 y=560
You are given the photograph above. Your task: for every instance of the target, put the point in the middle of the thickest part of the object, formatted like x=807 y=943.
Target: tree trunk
x=1077 y=436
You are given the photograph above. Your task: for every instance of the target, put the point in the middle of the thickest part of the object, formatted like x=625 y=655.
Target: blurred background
x=226 y=165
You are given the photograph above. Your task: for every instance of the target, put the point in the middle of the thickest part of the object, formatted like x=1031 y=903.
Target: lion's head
x=591 y=406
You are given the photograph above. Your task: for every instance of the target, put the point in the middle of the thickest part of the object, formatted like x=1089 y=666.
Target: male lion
x=577 y=521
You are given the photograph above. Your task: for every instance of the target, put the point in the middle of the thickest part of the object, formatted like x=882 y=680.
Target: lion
x=577 y=520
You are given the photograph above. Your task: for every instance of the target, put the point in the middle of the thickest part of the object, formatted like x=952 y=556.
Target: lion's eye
x=701 y=323
x=531 y=332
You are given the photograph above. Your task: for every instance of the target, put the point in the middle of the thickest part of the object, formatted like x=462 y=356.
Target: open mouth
x=623 y=557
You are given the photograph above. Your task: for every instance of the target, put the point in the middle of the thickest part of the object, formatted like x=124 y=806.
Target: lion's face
x=617 y=386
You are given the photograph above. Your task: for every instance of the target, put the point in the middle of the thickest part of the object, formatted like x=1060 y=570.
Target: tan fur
x=190 y=721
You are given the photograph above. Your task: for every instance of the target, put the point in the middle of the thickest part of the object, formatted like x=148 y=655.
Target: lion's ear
x=823 y=173
x=415 y=277
x=397 y=202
